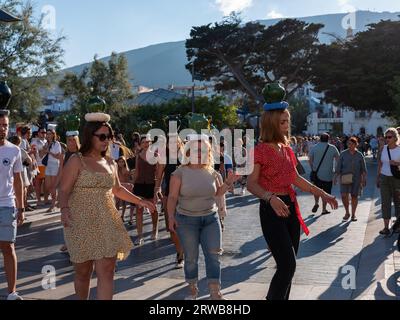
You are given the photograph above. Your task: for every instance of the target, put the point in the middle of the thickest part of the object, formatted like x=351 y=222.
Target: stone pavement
x=325 y=258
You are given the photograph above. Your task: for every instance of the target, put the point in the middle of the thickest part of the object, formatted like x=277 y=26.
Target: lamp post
x=7 y=17
x=193 y=87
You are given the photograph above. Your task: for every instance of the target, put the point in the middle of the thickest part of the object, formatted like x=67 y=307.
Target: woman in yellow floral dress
x=93 y=229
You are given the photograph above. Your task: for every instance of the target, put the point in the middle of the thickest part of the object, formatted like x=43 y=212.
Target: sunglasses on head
x=103 y=137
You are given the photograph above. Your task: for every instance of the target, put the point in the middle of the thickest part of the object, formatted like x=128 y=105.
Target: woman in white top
x=388 y=184
x=54 y=152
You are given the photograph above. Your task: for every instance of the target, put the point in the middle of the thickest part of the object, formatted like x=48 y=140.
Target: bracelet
x=267 y=196
x=270 y=199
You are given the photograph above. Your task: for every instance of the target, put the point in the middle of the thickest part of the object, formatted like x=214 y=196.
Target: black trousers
x=283 y=237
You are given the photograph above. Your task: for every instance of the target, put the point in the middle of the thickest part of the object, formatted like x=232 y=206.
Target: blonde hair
x=270 y=127
x=77 y=142
x=395 y=133
x=185 y=161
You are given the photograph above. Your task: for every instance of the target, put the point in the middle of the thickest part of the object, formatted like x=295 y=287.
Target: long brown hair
x=270 y=127
x=87 y=137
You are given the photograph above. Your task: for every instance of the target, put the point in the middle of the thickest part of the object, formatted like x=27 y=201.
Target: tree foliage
x=299 y=110
x=222 y=115
x=362 y=73
x=245 y=57
x=109 y=80
x=29 y=56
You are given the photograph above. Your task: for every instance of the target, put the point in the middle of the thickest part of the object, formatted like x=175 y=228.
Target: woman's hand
x=331 y=200
x=280 y=208
x=232 y=178
x=20 y=217
x=157 y=195
x=172 y=224
x=66 y=217
x=148 y=204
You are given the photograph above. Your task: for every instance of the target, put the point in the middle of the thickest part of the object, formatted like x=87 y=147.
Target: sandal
x=325 y=212
x=354 y=219
x=315 y=208
x=346 y=217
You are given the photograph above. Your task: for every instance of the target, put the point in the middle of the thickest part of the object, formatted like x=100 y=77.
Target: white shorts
x=52 y=169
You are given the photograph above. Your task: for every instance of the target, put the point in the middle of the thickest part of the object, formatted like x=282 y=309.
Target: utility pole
x=193 y=87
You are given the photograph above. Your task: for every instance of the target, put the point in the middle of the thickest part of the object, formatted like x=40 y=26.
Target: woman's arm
x=122 y=193
x=338 y=170
x=280 y=208
x=68 y=180
x=254 y=187
x=224 y=187
x=174 y=190
x=306 y=186
x=158 y=180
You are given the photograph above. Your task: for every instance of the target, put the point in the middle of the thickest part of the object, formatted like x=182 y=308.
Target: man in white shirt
x=11 y=204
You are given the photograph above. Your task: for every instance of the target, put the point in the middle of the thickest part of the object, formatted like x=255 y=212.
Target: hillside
x=160 y=65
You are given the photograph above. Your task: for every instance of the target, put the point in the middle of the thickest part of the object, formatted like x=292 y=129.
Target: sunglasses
x=389 y=137
x=103 y=137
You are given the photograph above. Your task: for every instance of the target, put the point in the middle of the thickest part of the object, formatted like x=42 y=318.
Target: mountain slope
x=160 y=65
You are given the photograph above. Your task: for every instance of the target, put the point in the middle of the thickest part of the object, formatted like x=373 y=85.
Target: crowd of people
x=367 y=144
x=96 y=181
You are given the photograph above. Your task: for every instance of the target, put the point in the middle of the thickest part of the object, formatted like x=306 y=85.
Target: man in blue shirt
x=326 y=172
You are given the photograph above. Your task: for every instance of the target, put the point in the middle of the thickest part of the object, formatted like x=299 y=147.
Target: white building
x=338 y=121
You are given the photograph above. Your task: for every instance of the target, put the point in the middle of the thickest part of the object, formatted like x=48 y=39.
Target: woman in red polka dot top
x=272 y=181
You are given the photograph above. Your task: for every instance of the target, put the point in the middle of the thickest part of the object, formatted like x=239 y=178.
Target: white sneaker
x=180 y=262
x=139 y=242
x=14 y=296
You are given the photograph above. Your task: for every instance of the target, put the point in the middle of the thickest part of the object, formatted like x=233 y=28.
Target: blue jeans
x=204 y=231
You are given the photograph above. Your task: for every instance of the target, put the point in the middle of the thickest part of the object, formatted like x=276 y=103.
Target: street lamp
x=7 y=17
x=193 y=87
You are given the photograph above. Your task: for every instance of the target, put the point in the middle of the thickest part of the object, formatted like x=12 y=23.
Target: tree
x=109 y=80
x=222 y=115
x=394 y=92
x=299 y=110
x=247 y=57
x=361 y=73
x=29 y=56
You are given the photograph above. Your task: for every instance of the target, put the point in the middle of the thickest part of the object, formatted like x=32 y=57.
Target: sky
x=102 y=26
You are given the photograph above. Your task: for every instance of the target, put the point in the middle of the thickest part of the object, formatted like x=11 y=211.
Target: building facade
x=325 y=117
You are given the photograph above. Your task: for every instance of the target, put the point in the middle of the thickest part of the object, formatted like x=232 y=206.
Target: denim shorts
x=8 y=224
